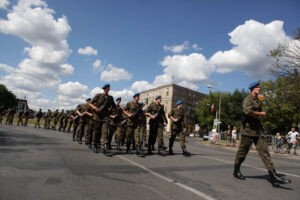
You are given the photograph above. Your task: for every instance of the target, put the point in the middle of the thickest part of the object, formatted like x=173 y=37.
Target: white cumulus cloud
x=72 y=89
x=252 y=42
x=4 y=4
x=177 y=48
x=112 y=73
x=34 y=22
x=97 y=65
x=88 y=50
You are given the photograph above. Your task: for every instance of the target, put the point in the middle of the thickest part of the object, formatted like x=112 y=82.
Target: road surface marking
x=198 y=193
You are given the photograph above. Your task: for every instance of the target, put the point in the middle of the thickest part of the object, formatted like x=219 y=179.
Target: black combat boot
x=79 y=141
x=119 y=146
x=95 y=149
x=140 y=151
x=128 y=148
x=276 y=180
x=73 y=139
x=185 y=152
x=149 y=150
x=152 y=148
x=237 y=172
x=106 y=151
x=161 y=152
x=171 y=148
x=90 y=146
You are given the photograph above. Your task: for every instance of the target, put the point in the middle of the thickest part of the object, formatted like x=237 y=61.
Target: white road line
x=198 y=193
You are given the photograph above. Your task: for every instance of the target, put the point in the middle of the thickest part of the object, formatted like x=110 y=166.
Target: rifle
x=140 y=107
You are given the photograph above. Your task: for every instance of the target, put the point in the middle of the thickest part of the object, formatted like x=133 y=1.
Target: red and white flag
x=213 y=108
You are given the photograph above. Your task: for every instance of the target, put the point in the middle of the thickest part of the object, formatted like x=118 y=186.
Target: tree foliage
x=281 y=105
x=7 y=98
x=231 y=108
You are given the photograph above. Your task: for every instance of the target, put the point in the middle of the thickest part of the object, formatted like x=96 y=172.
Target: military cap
x=178 y=102
x=158 y=97
x=137 y=94
x=253 y=84
x=118 y=99
x=105 y=86
x=88 y=99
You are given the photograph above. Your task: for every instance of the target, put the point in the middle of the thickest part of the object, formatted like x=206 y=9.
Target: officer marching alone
x=252 y=131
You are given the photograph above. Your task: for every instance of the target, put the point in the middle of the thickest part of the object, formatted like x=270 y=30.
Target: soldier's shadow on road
x=20 y=139
x=265 y=177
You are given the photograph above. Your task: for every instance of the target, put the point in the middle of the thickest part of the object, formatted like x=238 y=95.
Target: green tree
x=231 y=108
x=280 y=105
x=7 y=98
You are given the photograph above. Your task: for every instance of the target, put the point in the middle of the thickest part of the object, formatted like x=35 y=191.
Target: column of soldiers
x=102 y=119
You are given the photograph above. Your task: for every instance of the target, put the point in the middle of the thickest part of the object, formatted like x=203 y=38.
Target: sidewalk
x=224 y=144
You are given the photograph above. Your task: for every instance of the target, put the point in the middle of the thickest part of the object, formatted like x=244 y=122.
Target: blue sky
x=140 y=38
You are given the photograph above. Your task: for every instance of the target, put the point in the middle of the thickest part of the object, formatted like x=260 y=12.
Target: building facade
x=170 y=95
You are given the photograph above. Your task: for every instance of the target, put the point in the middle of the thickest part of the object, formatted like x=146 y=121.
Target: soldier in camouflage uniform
x=66 y=119
x=38 y=116
x=143 y=133
x=157 y=116
x=26 y=115
x=115 y=124
x=177 y=117
x=133 y=110
x=84 y=112
x=61 y=119
x=70 y=122
x=102 y=104
x=90 y=125
x=75 y=119
x=1 y=113
x=54 y=117
x=47 y=119
x=252 y=131
x=20 y=115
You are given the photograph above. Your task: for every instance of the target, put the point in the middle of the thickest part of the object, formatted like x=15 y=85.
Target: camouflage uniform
x=252 y=131
x=38 y=119
x=21 y=113
x=101 y=120
x=54 y=117
x=156 y=126
x=26 y=115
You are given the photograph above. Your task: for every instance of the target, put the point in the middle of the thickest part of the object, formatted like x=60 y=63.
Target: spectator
x=294 y=137
x=228 y=134
x=234 y=136
x=278 y=143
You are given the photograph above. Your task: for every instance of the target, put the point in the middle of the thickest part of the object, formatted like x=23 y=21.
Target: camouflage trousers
x=156 y=133
x=81 y=130
x=20 y=121
x=135 y=131
x=26 y=121
x=75 y=127
x=38 y=122
x=89 y=131
x=97 y=132
x=181 y=135
x=261 y=147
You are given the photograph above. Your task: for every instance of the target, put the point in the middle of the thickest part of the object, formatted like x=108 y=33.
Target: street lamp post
x=220 y=103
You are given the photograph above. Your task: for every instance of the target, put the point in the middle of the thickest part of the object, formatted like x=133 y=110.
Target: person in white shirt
x=294 y=137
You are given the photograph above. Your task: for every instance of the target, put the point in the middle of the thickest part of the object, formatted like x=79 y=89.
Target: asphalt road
x=43 y=164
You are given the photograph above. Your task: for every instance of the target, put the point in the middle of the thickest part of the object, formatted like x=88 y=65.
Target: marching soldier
x=54 y=117
x=61 y=119
x=70 y=121
x=133 y=110
x=143 y=133
x=252 y=131
x=21 y=113
x=115 y=124
x=157 y=116
x=26 y=115
x=38 y=118
x=66 y=119
x=1 y=113
x=177 y=117
x=82 y=112
x=90 y=126
x=47 y=119
x=102 y=104
x=75 y=119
